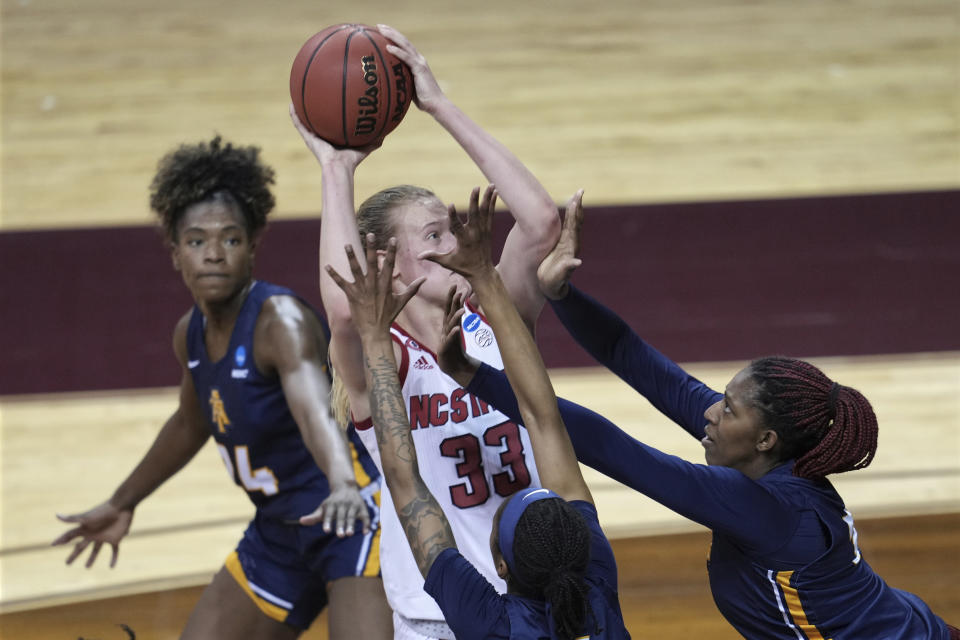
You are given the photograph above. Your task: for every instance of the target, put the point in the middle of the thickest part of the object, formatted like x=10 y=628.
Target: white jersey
x=471 y=458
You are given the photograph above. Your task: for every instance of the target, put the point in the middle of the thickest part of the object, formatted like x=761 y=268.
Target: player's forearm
x=521 y=358
x=426 y=527
x=612 y=342
x=329 y=449
x=390 y=422
x=175 y=445
x=338 y=229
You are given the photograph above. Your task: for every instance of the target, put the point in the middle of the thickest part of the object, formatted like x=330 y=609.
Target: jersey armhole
x=404 y=364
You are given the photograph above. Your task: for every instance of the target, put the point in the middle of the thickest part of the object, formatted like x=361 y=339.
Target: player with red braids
x=785 y=561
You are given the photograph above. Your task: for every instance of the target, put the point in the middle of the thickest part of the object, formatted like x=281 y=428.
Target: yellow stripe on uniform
x=372 y=568
x=363 y=479
x=796 y=607
x=232 y=563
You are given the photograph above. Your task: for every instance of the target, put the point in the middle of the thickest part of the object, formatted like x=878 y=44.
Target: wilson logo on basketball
x=368 y=102
x=400 y=106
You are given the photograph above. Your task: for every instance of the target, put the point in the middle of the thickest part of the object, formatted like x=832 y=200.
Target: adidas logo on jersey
x=422 y=363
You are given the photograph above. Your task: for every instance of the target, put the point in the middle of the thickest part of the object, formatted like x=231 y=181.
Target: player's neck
x=221 y=316
x=422 y=320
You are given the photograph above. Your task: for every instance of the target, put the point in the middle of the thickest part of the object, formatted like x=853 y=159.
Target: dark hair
x=827 y=427
x=551 y=548
x=212 y=171
x=373 y=215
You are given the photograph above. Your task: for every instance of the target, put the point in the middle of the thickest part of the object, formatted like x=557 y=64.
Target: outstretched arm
x=719 y=498
x=612 y=342
x=556 y=461
x=290 y=341
x=178 y=441
x=537 y=222
x=374 y=307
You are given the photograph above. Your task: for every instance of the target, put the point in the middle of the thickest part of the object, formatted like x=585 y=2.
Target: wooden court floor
x=907 y=503
x=663 y=588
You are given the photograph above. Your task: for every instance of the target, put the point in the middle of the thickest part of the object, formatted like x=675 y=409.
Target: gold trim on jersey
x=792 y=597
x=371 y=569
x=232 y=563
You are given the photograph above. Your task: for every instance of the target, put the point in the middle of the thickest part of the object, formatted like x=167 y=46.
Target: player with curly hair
x=254 y=357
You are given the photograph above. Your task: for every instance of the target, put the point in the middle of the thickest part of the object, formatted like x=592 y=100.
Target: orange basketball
x=347 y=88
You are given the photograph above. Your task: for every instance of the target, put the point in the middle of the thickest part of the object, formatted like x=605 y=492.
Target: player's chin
x=214 y=291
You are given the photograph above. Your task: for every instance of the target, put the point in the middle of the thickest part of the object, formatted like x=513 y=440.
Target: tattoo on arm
x=386 y=410
x=427 y=528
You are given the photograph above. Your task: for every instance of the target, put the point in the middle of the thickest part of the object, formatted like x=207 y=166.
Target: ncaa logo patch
x=471 y=323
x=240 y=356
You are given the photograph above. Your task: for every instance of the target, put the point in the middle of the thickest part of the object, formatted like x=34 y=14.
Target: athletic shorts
x=285 y=568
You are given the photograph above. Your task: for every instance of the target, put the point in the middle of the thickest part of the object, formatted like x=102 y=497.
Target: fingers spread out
x=342 y=511
x=68 y=536
x=573 y=218
x=454 y=312
x=94 y=553
x=409 y=292
x=327 y=517
x=385 y=274
x=456 y=224
x=364 y=517
x=78 y=549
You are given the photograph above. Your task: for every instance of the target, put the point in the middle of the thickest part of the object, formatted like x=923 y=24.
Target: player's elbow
x=546 y=230
x=339 y=317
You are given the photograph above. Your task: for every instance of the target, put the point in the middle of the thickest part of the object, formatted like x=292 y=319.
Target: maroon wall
x=95 y=308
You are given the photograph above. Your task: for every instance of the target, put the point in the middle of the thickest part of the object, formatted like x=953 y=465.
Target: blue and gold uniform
x=784 y=562
x=283 y=566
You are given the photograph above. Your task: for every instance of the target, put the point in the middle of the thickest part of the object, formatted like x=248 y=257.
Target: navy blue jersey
x=784 y=562
x=259 y=441
x=474 y=609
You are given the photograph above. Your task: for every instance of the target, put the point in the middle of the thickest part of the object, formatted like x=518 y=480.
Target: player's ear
x=381 y=255
x=175 y=255
x=502 y=569
x=254 y=243
x=768 y=440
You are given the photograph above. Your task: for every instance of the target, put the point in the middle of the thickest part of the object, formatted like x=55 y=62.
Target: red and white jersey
x=471 y=458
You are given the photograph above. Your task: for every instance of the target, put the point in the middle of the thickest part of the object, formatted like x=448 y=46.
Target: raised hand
x=373 y=304
x=472 y=257
x=427 y=92
x=451 y=357
x=340 y=511
x=103 y=523
x=555 y=270
x=325 y=152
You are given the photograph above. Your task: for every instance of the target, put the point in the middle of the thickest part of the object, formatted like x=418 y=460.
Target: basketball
x=347 y=89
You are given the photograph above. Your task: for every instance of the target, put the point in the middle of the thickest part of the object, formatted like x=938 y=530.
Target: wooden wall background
x=637 y=102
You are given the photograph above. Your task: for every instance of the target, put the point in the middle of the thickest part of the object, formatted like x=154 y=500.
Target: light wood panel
x=663 y=587
x=65 y=453
x=635 y=101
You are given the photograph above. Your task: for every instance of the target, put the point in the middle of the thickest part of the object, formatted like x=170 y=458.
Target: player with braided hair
x=551 y=547
x=546 y=543
x=825 y=426
x=785 y=561
x=253 y=357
